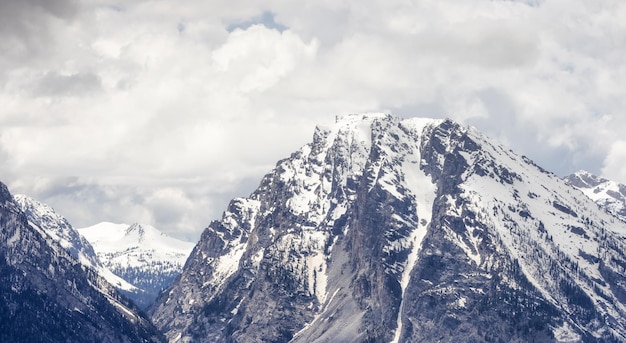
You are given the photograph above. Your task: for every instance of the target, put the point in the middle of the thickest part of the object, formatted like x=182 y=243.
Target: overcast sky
x=161 y=111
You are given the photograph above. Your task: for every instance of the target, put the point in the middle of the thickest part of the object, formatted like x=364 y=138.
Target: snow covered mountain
x=47 y=295
x=138 y=259
x=140 y=254
x=53 y=226
x=403 y=230
x=610 y=195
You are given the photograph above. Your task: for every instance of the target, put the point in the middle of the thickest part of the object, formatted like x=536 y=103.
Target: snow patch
x=565 y=334
x=227 y=264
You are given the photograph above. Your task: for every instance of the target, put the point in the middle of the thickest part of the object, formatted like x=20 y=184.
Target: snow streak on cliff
x=386 y=229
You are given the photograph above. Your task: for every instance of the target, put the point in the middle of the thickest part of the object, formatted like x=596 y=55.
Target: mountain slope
x=610 y=195
x=50 y=224
x=140 y=254
x=47 y=296
x=414 y=230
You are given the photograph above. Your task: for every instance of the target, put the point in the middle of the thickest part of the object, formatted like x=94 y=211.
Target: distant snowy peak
x=130 y=240
x=139 y=253
x=610 y=195
x=585 y=179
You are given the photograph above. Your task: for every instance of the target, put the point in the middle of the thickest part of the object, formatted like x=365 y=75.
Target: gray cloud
x=162 y=111
x=55 y=84
x=26 y=27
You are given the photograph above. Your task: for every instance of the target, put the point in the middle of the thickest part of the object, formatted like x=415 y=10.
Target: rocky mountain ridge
x=395 y=230
x=139 y=260
x=608 y=194
x=381 y=229
x=50 y=224
x=47 y=295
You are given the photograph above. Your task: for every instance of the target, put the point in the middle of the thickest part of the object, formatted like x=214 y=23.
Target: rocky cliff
x=403 y=230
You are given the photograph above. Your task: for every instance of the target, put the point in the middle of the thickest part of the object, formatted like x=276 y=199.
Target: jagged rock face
x=55 y=227
x=410 y=230
x=609 y=195
x=139 y=260
x=42 y=216
x=47 y=296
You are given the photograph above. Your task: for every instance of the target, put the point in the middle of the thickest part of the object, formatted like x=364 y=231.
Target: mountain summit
x=141 y=254
x=403 y=230
x=608 y=194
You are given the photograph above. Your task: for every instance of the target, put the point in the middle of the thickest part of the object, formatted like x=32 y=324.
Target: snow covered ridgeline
x=287 y=232
x=140 y=254
x=608 y=194
x=137 y=259
x=386 y=229
x=54 y=226
x=49 y=288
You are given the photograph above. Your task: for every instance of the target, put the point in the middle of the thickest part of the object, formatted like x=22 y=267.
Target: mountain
x=52 y=225
x=140 y=254
x=48 y=296
x=403 y=230
x=610 y=195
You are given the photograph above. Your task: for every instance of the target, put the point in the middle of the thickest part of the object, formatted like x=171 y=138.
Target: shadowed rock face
x=385 y=229
x=47 y=296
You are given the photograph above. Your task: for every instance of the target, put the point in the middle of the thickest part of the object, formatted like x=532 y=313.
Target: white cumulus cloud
x=161 y=111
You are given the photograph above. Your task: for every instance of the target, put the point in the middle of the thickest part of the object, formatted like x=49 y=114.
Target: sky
x=162 y=111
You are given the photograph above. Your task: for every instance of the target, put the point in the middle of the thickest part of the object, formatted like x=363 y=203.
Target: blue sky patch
x=266 y=19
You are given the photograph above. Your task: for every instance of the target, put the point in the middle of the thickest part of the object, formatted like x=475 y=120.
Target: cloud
x=256 y=58
x=27 y=29
x=614 y=166
x=162 y=111
x=79 y=84
x=266 y=19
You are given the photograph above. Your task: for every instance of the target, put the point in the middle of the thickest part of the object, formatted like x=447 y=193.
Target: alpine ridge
x=50 y=224
x=608 y=194
x=47 y=295
x=385 y=229
x=139 y=260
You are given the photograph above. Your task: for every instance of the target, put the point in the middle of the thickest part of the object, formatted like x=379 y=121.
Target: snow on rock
x=140 y=254
x=608 y=194
x=390 y=230
x=50 y=288
x=51 y=224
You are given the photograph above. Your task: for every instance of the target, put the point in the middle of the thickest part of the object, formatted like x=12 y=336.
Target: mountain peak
x=584 y=179
x=49 y=223
x=139 y=253
x=44 y=218
x=352 y=117
x=391 y=229
x=608 y=194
